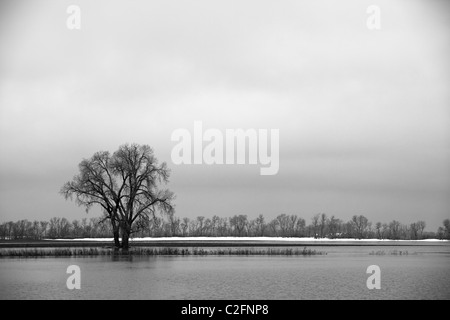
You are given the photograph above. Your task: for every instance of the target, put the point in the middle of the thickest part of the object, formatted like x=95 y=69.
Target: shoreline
x=218 y=242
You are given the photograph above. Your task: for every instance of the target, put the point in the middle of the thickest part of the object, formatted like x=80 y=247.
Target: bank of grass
x=392 y=253
x=164 y=251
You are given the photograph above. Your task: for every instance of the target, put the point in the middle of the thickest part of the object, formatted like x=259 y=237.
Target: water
x=423 y=273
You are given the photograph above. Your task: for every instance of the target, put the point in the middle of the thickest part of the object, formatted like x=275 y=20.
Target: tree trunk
x=125 y=242
x=116 y=237
x=126 y=231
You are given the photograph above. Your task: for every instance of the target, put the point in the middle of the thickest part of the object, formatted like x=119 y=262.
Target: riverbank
x=216 y=242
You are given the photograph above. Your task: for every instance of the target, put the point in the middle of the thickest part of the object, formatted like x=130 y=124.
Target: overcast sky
x=364 y=115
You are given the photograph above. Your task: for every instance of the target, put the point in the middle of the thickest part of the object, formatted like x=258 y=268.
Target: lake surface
x=424 y=273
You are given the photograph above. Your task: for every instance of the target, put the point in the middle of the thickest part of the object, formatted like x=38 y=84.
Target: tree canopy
x=125 y=185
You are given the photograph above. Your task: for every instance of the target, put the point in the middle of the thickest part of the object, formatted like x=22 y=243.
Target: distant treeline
x=320 y=226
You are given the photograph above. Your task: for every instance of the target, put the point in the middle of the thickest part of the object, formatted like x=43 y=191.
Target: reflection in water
x=422 y=274
x=117 y=256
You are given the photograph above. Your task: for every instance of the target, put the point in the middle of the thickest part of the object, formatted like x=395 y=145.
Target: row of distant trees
x=55 y=228
x=129 y=187
x=320 y=226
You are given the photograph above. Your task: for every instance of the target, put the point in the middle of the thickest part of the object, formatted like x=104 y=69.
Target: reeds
x=392 y=252
x=160 y=251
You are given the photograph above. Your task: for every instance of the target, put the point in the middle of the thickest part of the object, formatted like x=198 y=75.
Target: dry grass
x=392 y=253
x=164 y=251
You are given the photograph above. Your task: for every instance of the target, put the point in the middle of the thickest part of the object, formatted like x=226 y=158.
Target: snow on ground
x=281 y=239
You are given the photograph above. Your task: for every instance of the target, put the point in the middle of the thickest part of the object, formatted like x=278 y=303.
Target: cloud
x=363 y=116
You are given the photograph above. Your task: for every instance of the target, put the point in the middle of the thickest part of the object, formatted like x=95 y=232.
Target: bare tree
x=394 y=229
x=260 y=225
x=323 y=223
x=293 y=220
x=300 y=227
x=334 y=227
x=215 y=225
x=43 y=228
x=174 y=223
x=184 y=226
x=239 y=222
x=223 y=226
x=273 y=226
x=378 y=227
x=3 y=235
x=414 y=228
x=156 y=224
x=53 y=231
x=125 y=185
x=440 y=234
x=361 y=224
x=315 y=225
x=283 y=223
x=421 y=226
x=446 y=229
x=251 y=228
x=384 y=231
x=200 y=222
